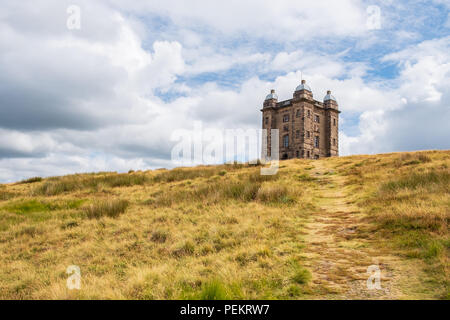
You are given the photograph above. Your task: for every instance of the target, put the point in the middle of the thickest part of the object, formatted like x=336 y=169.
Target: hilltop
x=226 y=232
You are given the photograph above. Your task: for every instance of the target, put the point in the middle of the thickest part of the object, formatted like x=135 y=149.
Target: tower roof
x=329 y=96
x=272 y=95
x=303 y=86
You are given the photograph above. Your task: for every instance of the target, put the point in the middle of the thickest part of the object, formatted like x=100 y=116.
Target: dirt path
x=337 y=257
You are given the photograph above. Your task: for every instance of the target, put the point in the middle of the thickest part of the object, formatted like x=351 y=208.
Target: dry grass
x=106 y=208
x=407 y=198
x=186 y=233
x=210 y=232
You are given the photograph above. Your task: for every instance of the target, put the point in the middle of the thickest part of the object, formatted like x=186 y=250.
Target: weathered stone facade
x=307 y=128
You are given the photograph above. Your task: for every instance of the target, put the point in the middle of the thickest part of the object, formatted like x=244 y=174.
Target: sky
x=105 y=92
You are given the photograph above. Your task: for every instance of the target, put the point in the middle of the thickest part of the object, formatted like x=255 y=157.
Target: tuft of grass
x=7 y=195
x=186 y=249
x=407 y=159
x=440 y=179
x=180 y=174
x=159 y=236
x=245 y=189
x=275 y=194
x=110 y=208
x=30 y=231
x=213 y=290
x=31 y=180
x=305 y=177
x=69 y=225
x=79 y=182
x=301 y=275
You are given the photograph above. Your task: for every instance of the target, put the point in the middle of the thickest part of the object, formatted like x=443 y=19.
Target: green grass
x=213 y=290
x=300 y=274
x=34 y=205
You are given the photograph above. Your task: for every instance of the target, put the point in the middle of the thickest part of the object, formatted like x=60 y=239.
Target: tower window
x=316 y=141
x=286 y=141
x=316 y=118
x=286 y=118
x=308 y=113
x=297 y=154
x=286 y=128
x=297 y=134
x=266 y=120
x=308 y=134
x=334 y=142
x=298 y=113
x=334 y=121
x=307 y=154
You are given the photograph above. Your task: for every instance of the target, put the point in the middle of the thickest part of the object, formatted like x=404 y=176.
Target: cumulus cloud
x=108 y=96
x=421 y=100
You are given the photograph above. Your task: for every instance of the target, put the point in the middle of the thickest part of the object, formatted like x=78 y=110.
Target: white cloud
x=78 y=101
x=420 y=117
x=282 y=20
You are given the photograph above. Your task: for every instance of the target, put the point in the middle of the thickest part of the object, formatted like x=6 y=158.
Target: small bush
x=110 y=208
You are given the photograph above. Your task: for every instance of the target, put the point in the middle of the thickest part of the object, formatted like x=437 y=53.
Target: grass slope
x=226 y=232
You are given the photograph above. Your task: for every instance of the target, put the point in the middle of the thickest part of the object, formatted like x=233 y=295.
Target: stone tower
x=307 y=128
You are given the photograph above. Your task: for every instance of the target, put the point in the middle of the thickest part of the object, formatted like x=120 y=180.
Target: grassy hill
x=218 y=232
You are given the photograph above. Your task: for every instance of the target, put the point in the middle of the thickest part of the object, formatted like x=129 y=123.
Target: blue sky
x=108 y=96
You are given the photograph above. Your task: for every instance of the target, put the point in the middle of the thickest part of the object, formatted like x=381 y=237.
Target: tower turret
x=271 y=99
x=329 y=101
x=303 y=91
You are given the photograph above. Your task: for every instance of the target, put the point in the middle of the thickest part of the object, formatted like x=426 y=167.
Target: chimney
x=329 y=92
x=303 y=81
x=272 y=91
